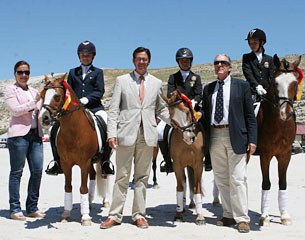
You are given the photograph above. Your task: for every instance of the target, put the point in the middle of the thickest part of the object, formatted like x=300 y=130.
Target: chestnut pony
x=186 y=150
x=77 y=140
x=276 y=133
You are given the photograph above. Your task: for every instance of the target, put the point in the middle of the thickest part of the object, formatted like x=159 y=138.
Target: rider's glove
x=84 y=100
x=260 y=90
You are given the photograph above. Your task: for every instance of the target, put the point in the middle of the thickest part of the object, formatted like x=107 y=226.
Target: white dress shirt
x=226 y=100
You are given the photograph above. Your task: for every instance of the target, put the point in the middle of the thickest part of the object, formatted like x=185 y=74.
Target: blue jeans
x=28 y=147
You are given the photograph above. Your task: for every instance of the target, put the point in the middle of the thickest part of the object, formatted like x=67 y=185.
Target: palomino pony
x=276 y=133
x=77 y=141
x=186 y=149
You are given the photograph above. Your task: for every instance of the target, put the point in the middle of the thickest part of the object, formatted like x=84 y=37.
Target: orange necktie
x=142 y=89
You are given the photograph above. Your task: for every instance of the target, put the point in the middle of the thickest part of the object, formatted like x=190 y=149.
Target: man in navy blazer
x=229 y=138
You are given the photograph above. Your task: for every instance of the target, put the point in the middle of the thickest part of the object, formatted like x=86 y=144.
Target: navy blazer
x=242 y=122
x=192 y=87
x=92 y=87
x=257 y=73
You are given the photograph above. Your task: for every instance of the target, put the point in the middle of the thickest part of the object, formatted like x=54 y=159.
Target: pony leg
x=191 y=181
x=184 y=194
x=216 y=201
x=106 y=191
x=180 y=207
x=84 y=209
x=283 y=200
x=265 y=205
x=92 y=184
x=198 y=203
x=67 y=207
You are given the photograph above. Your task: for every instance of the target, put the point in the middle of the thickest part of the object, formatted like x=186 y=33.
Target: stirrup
x=165 y=168
x=107 y=169
x=54 y=170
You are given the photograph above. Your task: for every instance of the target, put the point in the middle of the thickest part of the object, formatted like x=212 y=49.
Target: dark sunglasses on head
x=23 y=72
x=222 y=62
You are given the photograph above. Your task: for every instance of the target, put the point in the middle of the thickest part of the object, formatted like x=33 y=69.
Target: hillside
x=206 y=71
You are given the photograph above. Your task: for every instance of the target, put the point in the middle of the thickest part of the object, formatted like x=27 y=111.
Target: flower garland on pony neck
x=189 y=103
x=300 y=83
x=68 y=99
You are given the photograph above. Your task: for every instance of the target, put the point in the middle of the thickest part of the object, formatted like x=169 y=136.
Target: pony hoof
x=216 y=203
x=86 y=222
x=286 y=221
x=264 y=221
x=179 y=217
x=200 y=222
x=106 y=205
x=156 y=186
x=192 y=205
x=65 y=220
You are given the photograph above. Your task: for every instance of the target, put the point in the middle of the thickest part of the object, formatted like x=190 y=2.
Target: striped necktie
x=218 y=116
x=142 y=88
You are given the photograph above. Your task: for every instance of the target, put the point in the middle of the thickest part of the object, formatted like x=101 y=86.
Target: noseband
x=276 y=103
x=189 y=127
x=57 y=113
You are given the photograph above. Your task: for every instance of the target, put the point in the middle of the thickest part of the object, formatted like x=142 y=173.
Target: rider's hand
x=260 y=90
x=113 y=142
x=84 y=100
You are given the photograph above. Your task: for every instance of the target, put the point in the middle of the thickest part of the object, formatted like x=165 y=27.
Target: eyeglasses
x=222 y=62
x=23 y=72
x=138 y=59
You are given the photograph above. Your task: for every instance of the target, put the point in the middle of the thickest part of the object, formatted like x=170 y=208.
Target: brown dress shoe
x=37 y=214
x=226 y=222
x=141 y=223
x=243 y=227
x=109 y=223
x=18 y=216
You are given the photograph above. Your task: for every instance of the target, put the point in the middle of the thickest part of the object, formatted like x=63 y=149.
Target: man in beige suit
x=132 y=132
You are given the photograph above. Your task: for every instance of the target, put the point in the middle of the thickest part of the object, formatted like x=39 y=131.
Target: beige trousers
x=230 y=172
x=141 y=155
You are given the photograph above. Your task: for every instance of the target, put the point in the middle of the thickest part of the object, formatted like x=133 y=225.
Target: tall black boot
x=106 y=164
x=56 y=169
x=207 y=162
x=166 y=165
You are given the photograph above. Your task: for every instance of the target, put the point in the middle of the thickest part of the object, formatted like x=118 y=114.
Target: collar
x=138 y=75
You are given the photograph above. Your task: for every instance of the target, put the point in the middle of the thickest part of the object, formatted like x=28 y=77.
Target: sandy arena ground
x=160 y=209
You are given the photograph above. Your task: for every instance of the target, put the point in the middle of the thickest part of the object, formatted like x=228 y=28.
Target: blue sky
x=46 y=33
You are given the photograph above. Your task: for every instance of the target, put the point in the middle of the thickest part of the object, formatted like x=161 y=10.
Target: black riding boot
x=166 y=165
x=207 y=162
x=107 y=166
x=56 y=169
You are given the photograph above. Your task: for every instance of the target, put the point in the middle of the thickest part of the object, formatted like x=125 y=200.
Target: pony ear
x=276 y=61
x=63 y=78
x=296 y=63
x=46 y=78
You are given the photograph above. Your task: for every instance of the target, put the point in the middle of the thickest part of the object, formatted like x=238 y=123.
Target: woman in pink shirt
x=24 y=142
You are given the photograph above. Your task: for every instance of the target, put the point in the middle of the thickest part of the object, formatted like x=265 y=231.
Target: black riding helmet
x=86 y=47
x=259 y=34
x=184 y=53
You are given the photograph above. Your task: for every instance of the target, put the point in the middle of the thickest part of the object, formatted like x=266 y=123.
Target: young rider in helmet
x=88 y=83
x=187 y=83
x=257 y=66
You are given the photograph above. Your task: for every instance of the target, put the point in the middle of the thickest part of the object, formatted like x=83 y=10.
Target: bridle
x=190 y=127
x=278 y=102
x=57 y=113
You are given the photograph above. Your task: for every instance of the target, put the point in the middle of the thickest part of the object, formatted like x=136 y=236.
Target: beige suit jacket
x=126 y=111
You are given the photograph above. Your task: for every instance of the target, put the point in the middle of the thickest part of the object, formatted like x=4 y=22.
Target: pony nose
x=46 y=119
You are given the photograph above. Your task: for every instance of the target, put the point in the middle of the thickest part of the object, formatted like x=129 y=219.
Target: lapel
x=87 y=77
x=210 y=94
x=233 y=92
x=134 y=87
x=78 y=73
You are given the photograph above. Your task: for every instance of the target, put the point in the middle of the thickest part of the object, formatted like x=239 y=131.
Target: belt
x=221 y=126
x=33 y=131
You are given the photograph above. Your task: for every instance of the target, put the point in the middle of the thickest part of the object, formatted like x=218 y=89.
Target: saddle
x=105 y=152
